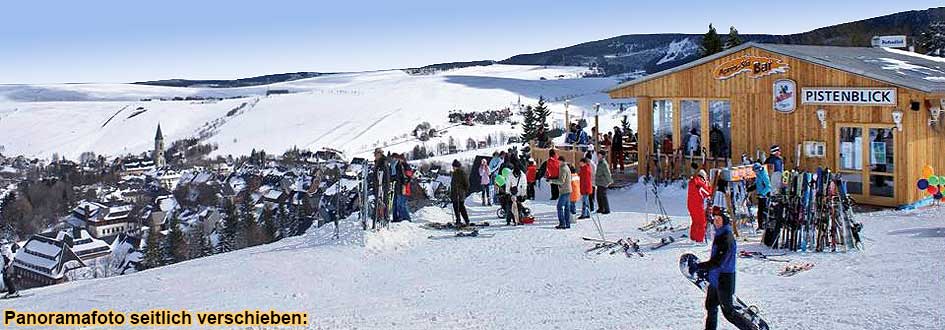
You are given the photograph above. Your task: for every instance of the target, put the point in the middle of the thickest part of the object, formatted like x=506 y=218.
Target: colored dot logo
x=931 y=183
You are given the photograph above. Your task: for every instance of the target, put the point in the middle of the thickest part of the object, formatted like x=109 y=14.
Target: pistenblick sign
x=848 y=96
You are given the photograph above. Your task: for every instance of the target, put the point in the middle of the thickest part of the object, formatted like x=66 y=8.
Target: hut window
x=662 y=124
x=720 y=129
x=690 y=113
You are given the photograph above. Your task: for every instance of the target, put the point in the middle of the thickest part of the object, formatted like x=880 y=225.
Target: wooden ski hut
x=872 y=114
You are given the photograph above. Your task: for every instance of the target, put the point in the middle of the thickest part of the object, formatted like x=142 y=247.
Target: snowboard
x=749 y=313
x=11 y=296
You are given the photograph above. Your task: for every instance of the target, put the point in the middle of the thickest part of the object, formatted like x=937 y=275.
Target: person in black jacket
x=719 y=270
x=459 y=186
x=8 y=275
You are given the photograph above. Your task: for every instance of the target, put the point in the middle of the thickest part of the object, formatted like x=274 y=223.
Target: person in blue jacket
x=763 y=189
x=719 y=270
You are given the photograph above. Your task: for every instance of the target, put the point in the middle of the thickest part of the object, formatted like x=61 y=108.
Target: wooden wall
x=755 y=125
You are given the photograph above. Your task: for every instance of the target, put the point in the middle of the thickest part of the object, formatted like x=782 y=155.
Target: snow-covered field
x=535 y=277
x=353 y=112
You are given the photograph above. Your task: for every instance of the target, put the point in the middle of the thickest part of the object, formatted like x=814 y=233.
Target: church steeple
x=158 y=154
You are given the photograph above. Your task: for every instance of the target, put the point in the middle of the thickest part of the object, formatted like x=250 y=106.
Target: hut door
x=865 y=157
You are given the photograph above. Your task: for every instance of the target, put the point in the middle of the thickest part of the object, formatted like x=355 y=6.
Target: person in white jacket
x=515 y=188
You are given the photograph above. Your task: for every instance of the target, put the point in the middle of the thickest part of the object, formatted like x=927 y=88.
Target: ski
x=762 y=256
x=461 y=234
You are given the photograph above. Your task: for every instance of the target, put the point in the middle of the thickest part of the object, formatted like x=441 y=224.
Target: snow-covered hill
x=353 y=112
x=534 y=277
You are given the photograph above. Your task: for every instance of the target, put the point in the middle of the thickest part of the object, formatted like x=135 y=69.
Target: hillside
x=354 y=112
x=655 y=52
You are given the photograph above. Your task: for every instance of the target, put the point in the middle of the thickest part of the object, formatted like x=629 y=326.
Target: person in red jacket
x=697 y=194
x=531 y=173
x=587 y=187
x=551 y=172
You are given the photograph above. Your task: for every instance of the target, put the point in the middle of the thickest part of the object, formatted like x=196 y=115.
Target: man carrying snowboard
x=720 y=272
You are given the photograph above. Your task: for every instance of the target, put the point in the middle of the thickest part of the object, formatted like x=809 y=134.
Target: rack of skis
x=812 y=213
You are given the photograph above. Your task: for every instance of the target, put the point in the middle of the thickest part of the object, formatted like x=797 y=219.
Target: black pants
x=459 y=211
x=603 y=205
x=485 y=195
x=723 y=296
x=530 y=192
x=554 y=191
x=762 y=212
x=8 y=283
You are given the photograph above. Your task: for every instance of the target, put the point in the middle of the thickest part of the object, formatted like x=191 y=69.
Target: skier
x=575 y=189
x=763 y=189
x=617 y=149
x=698 y=192
x=586 y=188
x=776 y=164
x=531 y=176
x=515 y=189
x=8 y=273
x=602 y=179
x=564 y=181
x=552 y=172
x=459 y=186
x=485 y=183
x=719 y=270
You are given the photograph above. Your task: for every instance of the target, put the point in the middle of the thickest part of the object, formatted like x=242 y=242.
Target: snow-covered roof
x=895 y=67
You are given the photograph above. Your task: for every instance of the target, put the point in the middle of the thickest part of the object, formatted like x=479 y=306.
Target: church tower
x=158 y=155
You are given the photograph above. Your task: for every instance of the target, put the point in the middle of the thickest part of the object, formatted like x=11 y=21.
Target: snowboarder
x=552 y=172
x=485 y=182
x=602 y=179
x=719 y=270
x=763 y=189
x=586 y=177
x=697 y=193
x=531 y=176
x=8 y=273
x=564 y=181
x=459 y=186
x=776 y=164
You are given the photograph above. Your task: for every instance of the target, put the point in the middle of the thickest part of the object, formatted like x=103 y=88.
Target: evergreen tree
x=269 y=229
x=541 y=114
x=175 y=247
x=625 y=124
x=230 y=230
x=529 y=127
x=933 y=39
x=733 y=38
x=711 y=42
x=153 y=252
x=249 y=235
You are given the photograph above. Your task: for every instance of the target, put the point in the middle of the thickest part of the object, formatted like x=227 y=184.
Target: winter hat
x=703 y=174
x=775 y=148
x=718 y=211
x=456 y=163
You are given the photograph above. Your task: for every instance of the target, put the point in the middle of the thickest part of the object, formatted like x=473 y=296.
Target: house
x=103 y=219
x=136 y=166
x=871 y=114
x=45 y=259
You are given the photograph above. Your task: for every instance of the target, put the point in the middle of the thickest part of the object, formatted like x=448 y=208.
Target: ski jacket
x=777 y=164
x=515 y=182
x=553 y=169
x=564 y=180
x=495 y=164
x=459 y=185
x=531 y=173
x=618 y=141
x=697 y=192
x=762 y=183
x=724 y=252
x=602 y=177
x=587 y=179
x=575 y=188
x=484 y=174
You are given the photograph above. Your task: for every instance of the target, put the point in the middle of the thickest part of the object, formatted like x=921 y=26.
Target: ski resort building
x=872 y=114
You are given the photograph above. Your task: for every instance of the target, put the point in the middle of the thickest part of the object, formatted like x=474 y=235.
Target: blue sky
x=123 y=41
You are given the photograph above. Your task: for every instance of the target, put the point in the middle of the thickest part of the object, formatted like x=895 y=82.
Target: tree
x=933 y=39
x=175 y=247
x=541 y=114
x=270 y=230
x=529 y=126
x=250 y=233
x=711 y=42
x=625 y=124
x=230 y=230
x=733 y=38
x=153 y=253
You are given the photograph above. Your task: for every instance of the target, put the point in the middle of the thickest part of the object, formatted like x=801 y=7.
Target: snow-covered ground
x=535 y=277
x=353 y=112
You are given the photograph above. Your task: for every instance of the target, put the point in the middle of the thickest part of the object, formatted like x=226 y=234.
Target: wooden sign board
x=755 y=66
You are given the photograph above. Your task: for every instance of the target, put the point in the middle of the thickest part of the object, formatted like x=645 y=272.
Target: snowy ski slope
x=354 y=112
